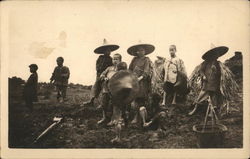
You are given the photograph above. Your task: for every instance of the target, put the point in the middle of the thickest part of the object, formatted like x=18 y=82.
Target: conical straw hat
x=133 y=49
x=215 y=52
x=105 y=46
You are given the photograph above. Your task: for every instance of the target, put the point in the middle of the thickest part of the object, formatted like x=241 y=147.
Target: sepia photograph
x=125 y=75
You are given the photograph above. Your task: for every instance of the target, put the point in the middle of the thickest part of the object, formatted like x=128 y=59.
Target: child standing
x=30 y=88
x=105 y=76
x=60 y=76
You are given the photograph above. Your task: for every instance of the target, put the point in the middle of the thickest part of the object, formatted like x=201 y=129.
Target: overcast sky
x=41 y=31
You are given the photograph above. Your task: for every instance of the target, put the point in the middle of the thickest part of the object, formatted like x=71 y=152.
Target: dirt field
x=79 y=129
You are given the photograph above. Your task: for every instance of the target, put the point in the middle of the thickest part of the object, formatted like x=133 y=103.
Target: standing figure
x=60 y=76
x=123 y=86
x=102 y=63
x=158 y=77
x=172 y=68
x=210 y=72
x=105 y=76
x=141 y=66
x=30 y=88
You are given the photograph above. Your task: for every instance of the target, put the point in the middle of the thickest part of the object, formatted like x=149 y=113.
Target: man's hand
x=102 y=77
x=106 y=79
x=140 y=78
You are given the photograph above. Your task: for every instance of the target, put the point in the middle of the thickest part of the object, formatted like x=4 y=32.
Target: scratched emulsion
x=39 y=50
x=62 y=39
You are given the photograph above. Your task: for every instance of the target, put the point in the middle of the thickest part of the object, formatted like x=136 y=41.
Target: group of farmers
x=134 y=88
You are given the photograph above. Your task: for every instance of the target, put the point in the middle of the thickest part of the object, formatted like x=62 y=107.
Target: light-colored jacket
x=108 y=73
x=171 y=67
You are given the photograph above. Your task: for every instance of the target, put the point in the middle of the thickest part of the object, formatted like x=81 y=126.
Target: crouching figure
x=154 y=116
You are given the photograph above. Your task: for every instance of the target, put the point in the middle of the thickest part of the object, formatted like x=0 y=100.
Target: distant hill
x=18 y=83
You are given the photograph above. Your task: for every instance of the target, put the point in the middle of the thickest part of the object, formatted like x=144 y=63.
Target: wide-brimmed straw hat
x=123 y=86
x=105 y=46
x=148 y=49
x=215 y=52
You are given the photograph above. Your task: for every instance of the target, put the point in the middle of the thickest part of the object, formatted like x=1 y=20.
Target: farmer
x=154 y=116
x=60 y=77
x=102 y=63
x=118 y=118
x=210 y=72
x=172 y=66
x=157 y=77
x=141 y=66
x=105 y=76
x=30 y=88
x=123 y=86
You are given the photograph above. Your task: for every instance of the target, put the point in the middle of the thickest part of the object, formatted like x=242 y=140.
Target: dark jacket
x=30 y=88
x=102 y=63
x=60 y=75
x=142 y=67
x=211 y=70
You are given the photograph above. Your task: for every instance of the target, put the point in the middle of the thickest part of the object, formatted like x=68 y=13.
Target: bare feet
x=147 y=124
x=134 y=121
x=99 y=107
x=101 y=121
x=116 y=140
x=193 y=111
x=111 y=123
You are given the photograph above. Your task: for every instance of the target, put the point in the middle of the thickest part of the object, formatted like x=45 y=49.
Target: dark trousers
x=61 y=91
x=29 y=103
x=107 y=105
x=96 y=88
